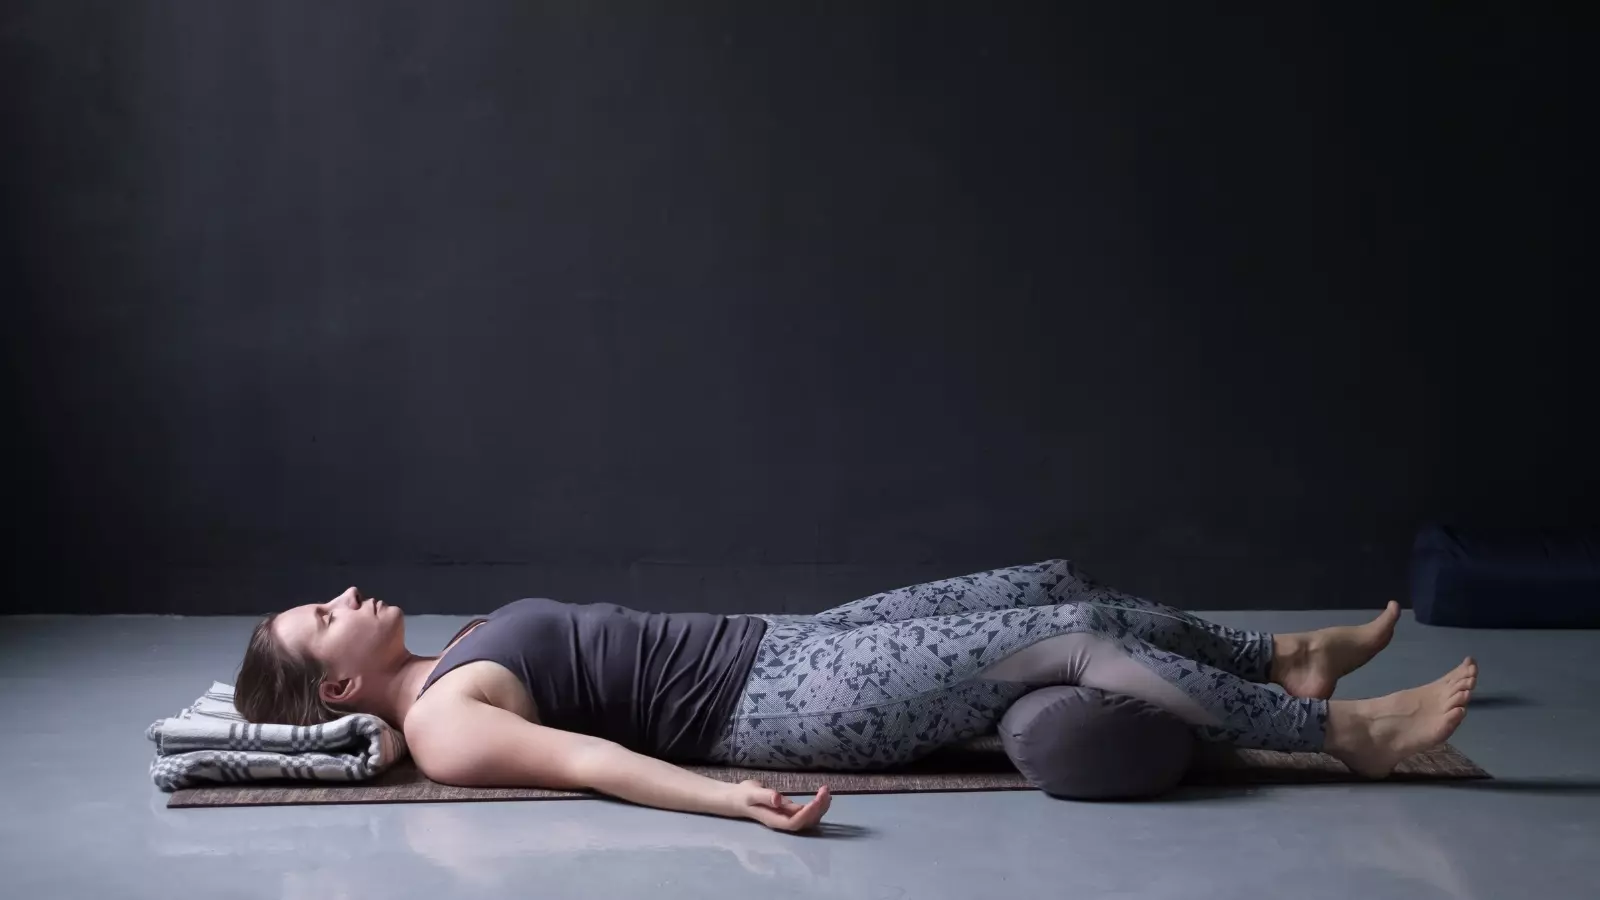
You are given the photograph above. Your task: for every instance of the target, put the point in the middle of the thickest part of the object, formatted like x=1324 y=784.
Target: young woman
x=598 y=697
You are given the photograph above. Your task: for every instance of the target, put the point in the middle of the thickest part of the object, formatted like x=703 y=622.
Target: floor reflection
x=1395 y=841
x=474 y=846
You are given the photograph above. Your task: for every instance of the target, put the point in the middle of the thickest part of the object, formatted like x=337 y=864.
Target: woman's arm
x=471 y=743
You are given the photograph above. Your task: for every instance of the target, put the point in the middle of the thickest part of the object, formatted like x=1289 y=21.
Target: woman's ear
x=340 y=690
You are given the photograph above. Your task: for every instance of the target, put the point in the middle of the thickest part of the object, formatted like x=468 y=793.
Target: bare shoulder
x=481 y=681
x=476 y=725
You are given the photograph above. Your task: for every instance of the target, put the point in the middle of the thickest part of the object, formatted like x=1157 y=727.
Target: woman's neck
x=399 y=692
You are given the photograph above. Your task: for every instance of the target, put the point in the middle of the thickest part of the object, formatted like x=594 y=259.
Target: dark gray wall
x=761 y=307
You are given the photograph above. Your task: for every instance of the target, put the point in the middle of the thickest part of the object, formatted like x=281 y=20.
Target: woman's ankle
x=1347 y=727
x=1289 y=652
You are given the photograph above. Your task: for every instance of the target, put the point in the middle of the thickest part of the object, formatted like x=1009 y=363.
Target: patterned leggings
x=889 y=678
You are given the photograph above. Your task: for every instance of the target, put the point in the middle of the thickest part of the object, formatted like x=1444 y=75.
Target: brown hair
x=276 y=686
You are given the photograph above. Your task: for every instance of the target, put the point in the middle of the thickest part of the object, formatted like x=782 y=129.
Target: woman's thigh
x=1035 y=584
x=828 y=697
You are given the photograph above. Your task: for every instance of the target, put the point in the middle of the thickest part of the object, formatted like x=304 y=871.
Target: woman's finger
x=817 y=808
x=771 y=818
x=788 y=805
x=810 y=814
x=790 y=816
x=776 y=800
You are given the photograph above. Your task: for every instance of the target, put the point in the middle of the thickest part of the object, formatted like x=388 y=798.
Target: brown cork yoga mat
x=978 y=766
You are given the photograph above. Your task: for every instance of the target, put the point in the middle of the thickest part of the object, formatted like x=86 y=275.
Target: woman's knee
x=1087 y=618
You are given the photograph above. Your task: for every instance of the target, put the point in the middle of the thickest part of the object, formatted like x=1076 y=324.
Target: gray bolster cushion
x=1084 y=744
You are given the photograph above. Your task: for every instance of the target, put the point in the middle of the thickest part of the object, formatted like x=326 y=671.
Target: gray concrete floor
x=83 y=820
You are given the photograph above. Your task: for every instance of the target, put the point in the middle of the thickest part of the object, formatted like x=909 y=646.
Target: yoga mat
x=978 y=766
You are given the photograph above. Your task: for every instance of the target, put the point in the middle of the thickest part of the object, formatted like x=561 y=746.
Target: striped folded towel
x=210 y=741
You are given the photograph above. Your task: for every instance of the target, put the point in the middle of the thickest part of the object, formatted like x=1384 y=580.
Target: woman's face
x=350 y=634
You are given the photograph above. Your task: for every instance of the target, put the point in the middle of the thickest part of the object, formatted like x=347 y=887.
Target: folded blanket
x=210 y=741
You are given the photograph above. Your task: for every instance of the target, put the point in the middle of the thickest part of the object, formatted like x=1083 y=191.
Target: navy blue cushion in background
x=1506 y=579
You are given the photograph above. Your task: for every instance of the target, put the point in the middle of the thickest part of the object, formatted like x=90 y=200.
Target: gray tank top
x=665 y=684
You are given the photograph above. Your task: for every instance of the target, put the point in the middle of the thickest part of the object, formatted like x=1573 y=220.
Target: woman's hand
x=772 y=809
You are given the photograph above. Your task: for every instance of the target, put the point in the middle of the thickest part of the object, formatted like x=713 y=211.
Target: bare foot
x=1374 y=736
x=1310 y=663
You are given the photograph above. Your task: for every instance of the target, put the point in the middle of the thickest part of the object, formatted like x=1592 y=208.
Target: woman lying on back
x=599 y=697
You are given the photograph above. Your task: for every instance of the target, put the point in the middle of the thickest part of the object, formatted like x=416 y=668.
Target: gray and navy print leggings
x=889 y=678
